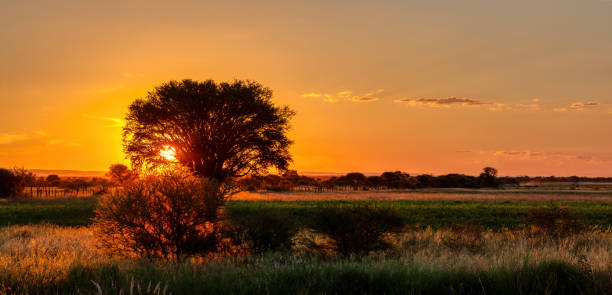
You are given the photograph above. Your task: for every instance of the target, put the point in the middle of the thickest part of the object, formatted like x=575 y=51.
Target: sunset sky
x=433 y=86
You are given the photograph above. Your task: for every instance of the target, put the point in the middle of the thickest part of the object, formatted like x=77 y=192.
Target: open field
x=47 y=247
x=418 y=214
x=45 y=259
x=438 y=194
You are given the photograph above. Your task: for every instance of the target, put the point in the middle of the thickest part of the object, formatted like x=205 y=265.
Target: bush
x=357 y=229
x=170 y=216
x=264 y=230
x=7 y=183
x=554 y=221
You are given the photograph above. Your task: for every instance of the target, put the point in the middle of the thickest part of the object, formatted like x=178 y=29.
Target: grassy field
x=45 y=259
x=438 y=194
x=46 y=247
x=419 y=214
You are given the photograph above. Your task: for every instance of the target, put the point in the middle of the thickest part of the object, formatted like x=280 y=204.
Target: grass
x=46 y=247
x=69 y=211
x=418 y=214
x=46 y=259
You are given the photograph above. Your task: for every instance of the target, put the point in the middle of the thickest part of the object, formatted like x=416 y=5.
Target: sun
x=169 y=153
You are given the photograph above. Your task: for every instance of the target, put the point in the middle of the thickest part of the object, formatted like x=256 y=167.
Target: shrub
x=464 y=236
x=264 y=230
x=8 y=183
x=554 y=221
x=170 y=216
x=357 y=229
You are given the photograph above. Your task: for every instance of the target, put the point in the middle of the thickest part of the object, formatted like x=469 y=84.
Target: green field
x=418 y=214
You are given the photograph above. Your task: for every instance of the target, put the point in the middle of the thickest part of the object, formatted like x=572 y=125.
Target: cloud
x=307 y=95
x=8 y=138
x=448 y=101
x=365 y=98
x=116 y=122
x=580 y=106
x=35 y=138
x=521 y=154
x=557 y=156
x=346 y=95
x=527 y=107
x=560 y=110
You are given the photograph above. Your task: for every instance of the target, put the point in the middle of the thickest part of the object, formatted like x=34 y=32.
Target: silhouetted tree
x=121 y=174
x=392 y=179
x=8 y=183
x=217 y=130
x=356 y=179
x=24 y=179
x=375 y=181
x=488 y=177
x=53 y=180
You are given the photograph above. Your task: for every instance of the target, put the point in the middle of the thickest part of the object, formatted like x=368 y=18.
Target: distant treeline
x=21 y=182
x=291 y=181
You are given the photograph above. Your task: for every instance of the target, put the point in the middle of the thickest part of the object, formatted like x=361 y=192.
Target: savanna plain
x=430 y=241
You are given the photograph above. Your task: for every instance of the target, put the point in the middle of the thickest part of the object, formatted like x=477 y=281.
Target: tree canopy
x=218 y=130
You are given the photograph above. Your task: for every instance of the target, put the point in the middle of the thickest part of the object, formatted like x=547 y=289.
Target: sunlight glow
x=169 y=153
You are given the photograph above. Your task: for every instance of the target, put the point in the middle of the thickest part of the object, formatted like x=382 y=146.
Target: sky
x=435 y=86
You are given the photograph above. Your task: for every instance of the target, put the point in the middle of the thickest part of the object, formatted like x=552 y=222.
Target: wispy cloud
x=580 y=106
x=541 y=155
x=444 y=102
x=463 y=152
x=560 y=110
x=307 y=95
x=8 y=138
x=346 y=95
x=115 y=122
x=522 y=154
x=35 y=138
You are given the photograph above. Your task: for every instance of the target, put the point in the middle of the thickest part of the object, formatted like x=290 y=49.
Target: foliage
x=8 y=183
x=53 y=180
x=13 y=182
x=218 y=130
x=264 y=230
x=387 y=180
x=121 y=174
x=170 y=216
x=357 y=229
x=488 y=177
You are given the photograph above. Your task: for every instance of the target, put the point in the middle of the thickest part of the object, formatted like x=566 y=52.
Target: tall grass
x=44 y=259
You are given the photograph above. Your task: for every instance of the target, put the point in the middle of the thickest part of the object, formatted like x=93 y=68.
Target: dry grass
x=43 y=254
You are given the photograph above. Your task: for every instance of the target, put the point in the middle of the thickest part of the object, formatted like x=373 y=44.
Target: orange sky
x=420 y=86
